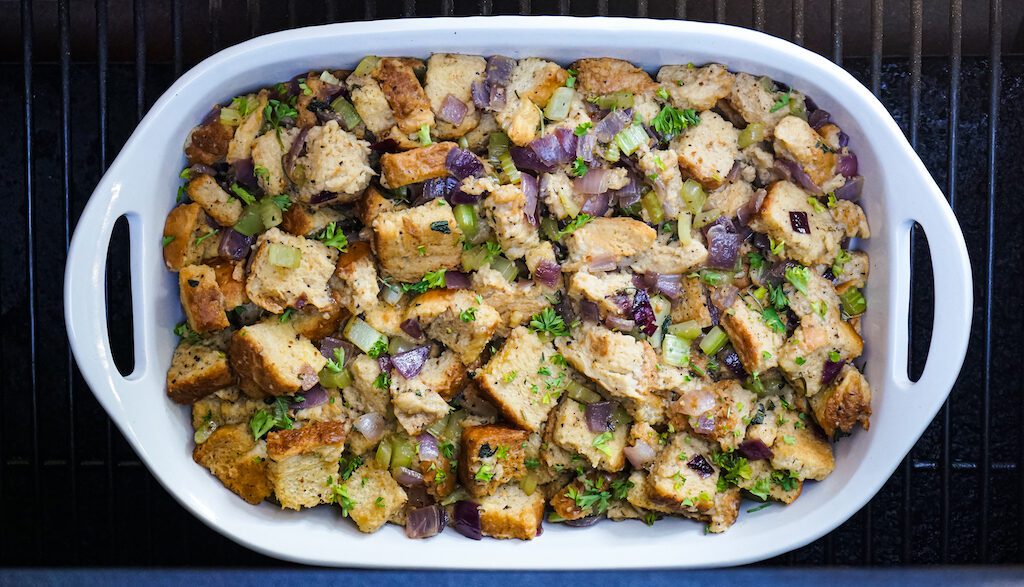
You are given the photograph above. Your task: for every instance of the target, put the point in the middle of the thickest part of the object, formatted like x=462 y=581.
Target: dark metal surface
x=77 y=76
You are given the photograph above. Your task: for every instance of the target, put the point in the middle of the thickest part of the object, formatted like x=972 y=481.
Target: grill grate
x=64 y=470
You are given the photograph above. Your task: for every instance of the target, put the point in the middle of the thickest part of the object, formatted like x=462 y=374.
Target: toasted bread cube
x=314 y=323
x=544 y=252
x=375 y=497
x=336 y=162
x=372 y=204
x=304 y=220
x=531 y=86
x=237 y=460
x=757 y=104
x=707 y=151
x=604 y=75
x=603 y=450
x=699 y=88
x=275 y=288
x=459 y=319
x=205 y=191
x=231 y=283
x=797 y=141
x=207 y=144
x=782 y=487
x=731 y=413
x=801 y=449
x=371 y=104
x=600 y=289
x=387 y=319
x=755 y=342
x=516 y=303
x=854 y=272
x=510 y=513
x=412 y=242
x=512 y=382
x=445 y=374
x=197 y=370
x=557 y=193
x=409 y=103
x=674 y=482
x=851 y=217
x=240 y=146
x=415 y=405
x=607 y=240
x=659 y=166
x=725 y=512
x=491 y=456
x=184 y=226
x=819 y=246
x=505 y=209
x=201 y=298
x=415 y=165
x=270 y=358
x=268 y=151
x=357 y=274
x=729 y=198
x=224 y=407
x=692 y=303
x=802 y=359
x=619 y=363
x=302 y=460
x=364 y=395
x=675 y=258
x=453 y=74
x=844 y=404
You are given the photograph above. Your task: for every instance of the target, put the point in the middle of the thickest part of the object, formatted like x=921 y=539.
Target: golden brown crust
x=271 y=358
x=481 y=447
x=197 y=370
x=228 y=454
x=415 y=165
x=282 y=444
x=405 y=95
x=844 y=404
x=231 y=288
x=208 y=143
x=315 y=323
x=181 y=226
x=298 y=219
x=510 y=513
x=355 y=253
x=372 y=204
x=438 y=477
x=605 y=75
x=202 y=299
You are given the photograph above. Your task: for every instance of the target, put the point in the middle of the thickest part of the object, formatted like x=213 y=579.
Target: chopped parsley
x=791 y=440
x=261 y=171
x=576 y=223
x=733 y=468
x=379 y=502
x=383 y=381
x=349 y=466
x=277 y=113
x=185 y=332
x=332 y=236
x=815 y=203
x=200 y=239
x=776 y=248
x=243 y=194
x=842 y=259
x=532 y=463
x=798 y=275
x=570 y=82
x=547 y=320
x=287 y=314
x=336 y=364
x=777 y=297
x=579 y=167
x=282 y=201
x=601 y=442
x=166 y=240
x=431 y=280
x=799 y=360
x=484 y=474
x=468 y=315
x=379 y=348
x=502 y=452
x=340 y=496
x=447 y=448
x=662 y=93
x=782 y=101
x=761 y=488
x=263 y=422
x=759 y=507
x=834 y=356
x=771 y=318
x=581 y=129
x=672 y=121
x=785 y=479
x=756 y=261
x=509 y=377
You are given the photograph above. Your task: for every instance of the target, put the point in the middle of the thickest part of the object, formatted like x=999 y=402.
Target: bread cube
x=505 y=209
x=453 y=74
x=275 y=288
x=755 y=103
x=201 y=298
x=675 y=258
x=601 y=289
x=602 y=450
x=619 y=363
x=270 y=358
x=604 y=75
x=237 y=460
x=415 y=165
x=516 y=302
x=692 y=303
x=268 y=151
x=185 y=235
x=843 y=404
x=357 y=276
x=336 y=162
x=699 y=88
x=197 y=370
x=510 y=513
x=604 y=241
x=707 y=151
x=755 y=342
x=240 y=146
x=491 y=456
x=374 y=497
x=207 y=144
x=205 y=191
x=412 y=242
x=409 y=103
x=459 y=319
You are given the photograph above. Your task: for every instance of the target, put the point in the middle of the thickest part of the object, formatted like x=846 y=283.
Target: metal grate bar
x=485 y=7
x=641 y=7
x=448 y=7
x=877 y=32
x=602 y=7
x=798 y=22
x=524 y=6
x=563 y=7
x=837 y=31
x=720 y=11
x=680 y=8
x=253 y=10
x=759 y=15
x=176 y=30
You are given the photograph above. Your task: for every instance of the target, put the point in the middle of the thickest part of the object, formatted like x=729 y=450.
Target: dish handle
x=954 y=299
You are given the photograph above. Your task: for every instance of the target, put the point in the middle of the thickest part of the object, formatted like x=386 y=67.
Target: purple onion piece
x=499 y=70
x=627 y=195
x=329 y=343
x=526 y=159
x=723 y=247
x=613 y=322
x=410 y=363
x=437 y=187
x=585 y=147
x=418 y=497
x=645 y=280
x=457 y=196
x=705 y=424
x=851 y=190
x=623 y=302
x=452 y=110
x=730 y=359
x=298 y=144
x=235 y=245
x=594 y=182
x=830 y=371
x=200 y=169
x=750 y=209
x=481 y=95
x=584 y=522
x=529 y=187
x=701 y=465
x=564 y=310
x=456 y=280
x=556 y=148
x=412 y=328
x=547 y=273
x=798 y=220
x=669 y=285
x=496 y=101
x=818 y=118
x=846 y=164
x=426 y=521
x=610 y=125
x=467 y=519
x=796 y=172
x=323 y=197
x=428 y=447
x=599 y=417
x=406 y=477
x=371 y=425
x=844 y=139
x=643 y=313
x=734 y=173
x=723 y=297
x=462 y=164
x=755 y=450
x=639 y=454
x=596 y=205
x=245 y=173
x=589 y=311
x=385 y=364
x=314 y=397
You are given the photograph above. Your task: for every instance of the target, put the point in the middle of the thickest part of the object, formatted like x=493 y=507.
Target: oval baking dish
x=898 y=192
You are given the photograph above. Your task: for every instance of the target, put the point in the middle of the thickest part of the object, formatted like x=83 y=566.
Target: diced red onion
x=547 y=273
x=645 y=280
x=639 y=454
x=428 y=447
x=669 y=285
x=371 y=426
x=481 y=94
x=724 y=296
x=844 y=139
x=755 y=450
x=730 y=359
x=599 y=416
x=411 y=362
x=830 y=371
x=385 y=364
x=467 y=519
x=462 y=163
x=624 y=303
x=564 y=310
x=589 y=311
x=798 y=220
x=819 y=118
x=314 y=397
x=408 y=478
x=596 y=205
x=610 y=125
x=846 y=164
x=794 y=171
x=613 y=322
x=245 y=173
x=584 y=522
x=456 y=280
x=526 y=159
x=851 y=190
x=705 y=424
x=426 y=521
x=723 y=246
x=734 y=173
x=602 y=263
x=497 y=98
x=529 y=186
x=436 y=187
x=594 y=182
x=701 y=465
x=695 y=402
x=418 y=497
x=452 y=110
x=323 y=197
x=298 y=144
x=585 y=147
x=499 y=70
x=628 y=194
x=412 y=327
x=750 y=209
x=555 y=148
x=200 y=169
x=235 y=245
x=329 y=343
x=643 y=313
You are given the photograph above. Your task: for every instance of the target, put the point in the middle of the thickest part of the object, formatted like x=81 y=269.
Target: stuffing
x=682 y=475
x=557 y=194
x=336 y=162
x=510 y=513
x=843 y=404
x=409 y=103
x=692 y=303
x=707 y=151
x=224 y=407
x=197 y=370
x=776 y=485
x=601 y=289
x=699 y=88
x=201 y=298
x=605 y=241
x=268 y=151
x=409 y=243
x=516 y=302
x=357 y=274
x=445 y=374
x=490 y=457
x=459 y=319
x=415 y=165
x=476 y=139
x=371 y=497
x=270 y=358
x=597 y=77
x=619 y=363
x=450 y=74
x=755 y=103
x=371 y=104
x=802 y=450
x=603 y=450
x=729 y=198
x=231 y=283
x=532 y=83
x=275 y=287
x=185 y=237
x=660 y=168
x=797 y=141
x=505 y=210
x=854 y=272
x=303 y=220
x=237 y=460
x=821 y=241
x=756 y=343
x=675 y=258
x=207 y=144
x=522 y=380
x=851 y=217
x=315 y=323
x=301 y=461
x=539 y=254
x=415 y=405
x=205 y=191
x=372 y=205
x=730 y=414
x=367 y=393
x=240 y=146
x=386 y=319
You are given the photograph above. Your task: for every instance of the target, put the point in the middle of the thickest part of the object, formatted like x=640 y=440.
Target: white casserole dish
x=142 y=181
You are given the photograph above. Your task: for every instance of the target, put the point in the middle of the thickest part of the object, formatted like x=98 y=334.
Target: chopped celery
x=453 y=430
x=694 y=196
x=465 y=217
x=614 y=100
x=569 y=203
x=284 y=256
x=508 y=168
x=424 y=135
x=630 y=138
x=391 y=294
x=684 y=227
x=402 y=452
x=230 y=117
x=249 y=223
x=383 y=456
x=528 y=483
x=364 y=336
x=584 y=395
x=652 y=205
x=326 y=76
x=713 y=341
x=334 y=380
x=463 y=142
x=853 y=302
x=620 y=417
x=558 y=106
x=715 y=278
x=754 y=133
x=688 y=330
x=507 y=268
x=549 y=228
x=662 y=309
x=611 y=152
x=475 y=258
x=398 y=345
x=270 y=213
x=497 y=143
x=367 y=65
x=437 y=428
x=675 y=350
x=705 y=218
x=347 y=111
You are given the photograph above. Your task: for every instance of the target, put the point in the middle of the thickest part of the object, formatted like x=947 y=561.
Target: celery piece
x=270 y=213
x=367 y=65
x=284 y=256
x=652 y=205
x=250 y=222
x=688 y=330
x=424 y=135
x=713 y=341
x=333 y=380
x=465 y=217
x=684 y=227
x=694 y=196
x=383 y=456
x=507 y=268
x=364 y=336
x=614 y=100
x=584 y=395
x=347 y=111
x=675 y=350
x=853 y=302
x=402 y=452
x=508 y=168
x=753 y=133
x=630 y=138
x=558 y=105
